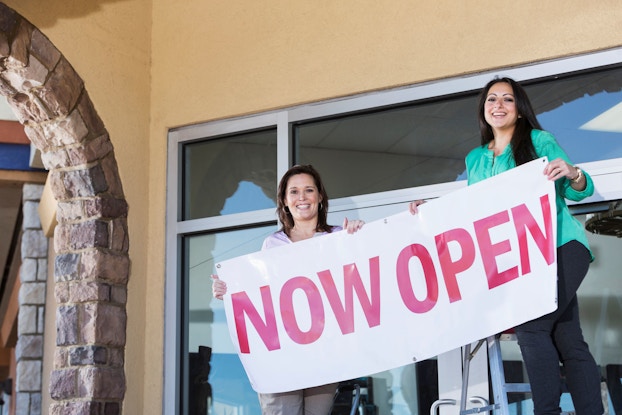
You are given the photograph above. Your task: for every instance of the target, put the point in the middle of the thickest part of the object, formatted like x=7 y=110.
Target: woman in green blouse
x=511 y=135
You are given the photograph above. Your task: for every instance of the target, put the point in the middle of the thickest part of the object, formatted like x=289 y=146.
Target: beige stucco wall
x=152 y=65
x=239 y=56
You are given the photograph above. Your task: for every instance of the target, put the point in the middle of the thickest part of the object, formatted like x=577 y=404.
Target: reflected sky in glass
x=583 y=145
x=247 y=194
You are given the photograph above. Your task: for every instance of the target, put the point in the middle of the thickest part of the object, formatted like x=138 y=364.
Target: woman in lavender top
x=302 y=207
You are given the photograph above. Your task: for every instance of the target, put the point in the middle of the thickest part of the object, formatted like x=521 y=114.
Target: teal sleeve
x=545 y=144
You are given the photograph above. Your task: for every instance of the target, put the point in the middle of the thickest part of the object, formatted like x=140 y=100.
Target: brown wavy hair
x=282 y=210
x=522 y=146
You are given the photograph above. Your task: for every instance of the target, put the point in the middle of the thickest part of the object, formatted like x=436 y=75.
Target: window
x=229 y=175
x=375 y=152
x=396 y=148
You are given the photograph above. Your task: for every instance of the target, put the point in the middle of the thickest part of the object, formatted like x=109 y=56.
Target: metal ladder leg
x=497 y=375
x=466 y=363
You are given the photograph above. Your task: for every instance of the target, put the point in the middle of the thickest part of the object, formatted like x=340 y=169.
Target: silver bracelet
x=579 y=175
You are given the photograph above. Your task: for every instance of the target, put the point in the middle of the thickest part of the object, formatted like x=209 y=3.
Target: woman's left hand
x=352 y=225
x=413 y=207
x=558 y=168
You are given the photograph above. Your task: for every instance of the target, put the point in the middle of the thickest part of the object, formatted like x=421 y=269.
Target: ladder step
x=517 y=388
x=479 y=409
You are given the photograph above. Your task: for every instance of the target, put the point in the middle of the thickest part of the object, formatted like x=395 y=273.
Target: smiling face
x=302 y=197
x=500 y=108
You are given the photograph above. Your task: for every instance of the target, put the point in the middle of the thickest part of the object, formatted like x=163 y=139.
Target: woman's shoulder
x=332 y=228
x=543 y=141
x=275 y=239
x=541 y=136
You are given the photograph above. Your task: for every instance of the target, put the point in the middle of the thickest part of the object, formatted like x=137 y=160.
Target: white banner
x=403 y=289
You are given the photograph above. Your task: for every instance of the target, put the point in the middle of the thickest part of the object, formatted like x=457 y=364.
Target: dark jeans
x=557 y=337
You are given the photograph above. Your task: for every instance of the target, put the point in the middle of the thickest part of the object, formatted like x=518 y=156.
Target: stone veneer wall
x=91 y=239
x=33 y=277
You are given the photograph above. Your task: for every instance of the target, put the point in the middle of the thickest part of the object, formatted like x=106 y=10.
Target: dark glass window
x=227 y=175
x=390 y=149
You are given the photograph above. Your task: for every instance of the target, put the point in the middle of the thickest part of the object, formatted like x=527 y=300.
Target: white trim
x=228 y=221
x=170 y=396
x=607 y=176
x=224 y=127
x=283 y=145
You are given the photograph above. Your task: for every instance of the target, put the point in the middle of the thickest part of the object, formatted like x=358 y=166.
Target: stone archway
x=91 y=239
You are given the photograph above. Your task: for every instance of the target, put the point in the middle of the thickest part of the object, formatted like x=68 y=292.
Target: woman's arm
x=560 y=168
x=575 y=186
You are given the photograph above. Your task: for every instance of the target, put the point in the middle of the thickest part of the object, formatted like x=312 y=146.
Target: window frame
x=607 y=174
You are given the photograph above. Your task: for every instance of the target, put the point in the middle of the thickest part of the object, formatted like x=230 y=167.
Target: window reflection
x=210 y=354
x=247 y=194
x=240 y=167
x=575 y=110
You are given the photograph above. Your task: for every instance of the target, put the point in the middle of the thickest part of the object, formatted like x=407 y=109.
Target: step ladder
x=500 y=387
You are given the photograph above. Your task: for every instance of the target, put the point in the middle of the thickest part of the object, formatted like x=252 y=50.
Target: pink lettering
x=356 y=295
x=314 y=300
x=452 y=268
x=404 y=281
x=267 y=330
x=523 y=222
x=344 y=313
x=489 y=250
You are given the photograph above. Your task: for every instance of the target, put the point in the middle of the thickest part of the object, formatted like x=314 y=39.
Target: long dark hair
x=522 y=146
x=282 y=210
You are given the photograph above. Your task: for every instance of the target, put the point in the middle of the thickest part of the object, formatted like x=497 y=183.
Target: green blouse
x=481 y=164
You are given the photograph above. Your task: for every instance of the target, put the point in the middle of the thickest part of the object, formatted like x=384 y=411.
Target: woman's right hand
x=413 y=207
x=219 y=287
